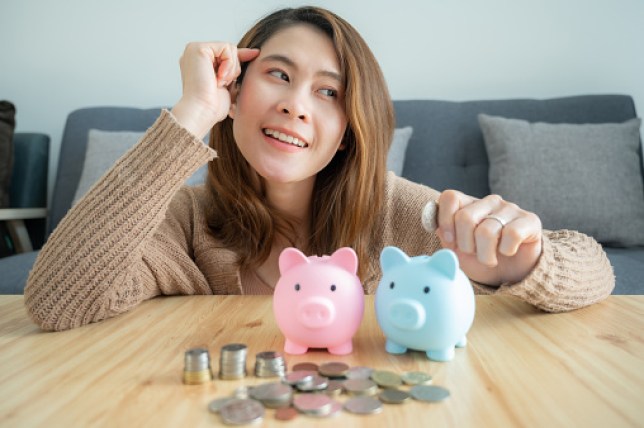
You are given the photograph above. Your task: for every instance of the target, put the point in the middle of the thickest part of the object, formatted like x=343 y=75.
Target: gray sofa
x=446 y=150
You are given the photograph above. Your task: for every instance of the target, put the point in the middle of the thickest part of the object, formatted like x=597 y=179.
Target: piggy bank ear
x=445 y=262
x=290 y=257
x=346 y=258
x=391 y=257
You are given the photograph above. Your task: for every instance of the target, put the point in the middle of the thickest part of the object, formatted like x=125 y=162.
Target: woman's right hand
x=207 y=69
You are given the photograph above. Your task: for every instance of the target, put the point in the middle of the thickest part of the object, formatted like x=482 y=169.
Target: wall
x=59 y=56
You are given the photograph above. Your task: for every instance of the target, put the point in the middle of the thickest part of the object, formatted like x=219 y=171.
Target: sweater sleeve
x=572 y=272
x=106 y=256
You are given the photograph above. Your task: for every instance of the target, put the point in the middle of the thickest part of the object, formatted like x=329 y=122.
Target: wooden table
x=521 y=367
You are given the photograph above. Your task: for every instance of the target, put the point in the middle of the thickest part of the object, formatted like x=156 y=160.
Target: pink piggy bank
x=318 y=301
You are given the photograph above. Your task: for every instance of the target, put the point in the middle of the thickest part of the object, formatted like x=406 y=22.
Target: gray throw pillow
x=104 y=148
x=584 y=177
x=398 y=149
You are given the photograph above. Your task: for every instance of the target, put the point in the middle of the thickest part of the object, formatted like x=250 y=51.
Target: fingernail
x=448 y=237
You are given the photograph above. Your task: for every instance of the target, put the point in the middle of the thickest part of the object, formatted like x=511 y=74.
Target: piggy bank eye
x=297 y=287
x=333 y=287
x=426 y=290
x=392 y=285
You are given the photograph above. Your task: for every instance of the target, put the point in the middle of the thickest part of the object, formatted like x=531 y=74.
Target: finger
x=488 y=234
x=247 y=54
x=225 y=60
x=469 y=217
x=523 y=230
x=449 y=202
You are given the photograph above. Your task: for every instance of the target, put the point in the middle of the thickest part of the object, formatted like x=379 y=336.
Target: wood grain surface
x=522 y=367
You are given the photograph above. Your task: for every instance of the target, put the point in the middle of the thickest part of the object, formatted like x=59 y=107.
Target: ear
x=445 y=262
x=290 y=257
x=233 y=90
x=347 y=259
x=391 y=257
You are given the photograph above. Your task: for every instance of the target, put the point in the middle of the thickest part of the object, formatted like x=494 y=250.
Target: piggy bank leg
x=343 y=349
x=394 y=348
x=446 y=354
x=294 y=349
x=462 y=343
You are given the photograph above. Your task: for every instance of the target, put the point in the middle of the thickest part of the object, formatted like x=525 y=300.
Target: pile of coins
x=197 y=366
x=367 y=390
x=270 y=364
x=232 y=361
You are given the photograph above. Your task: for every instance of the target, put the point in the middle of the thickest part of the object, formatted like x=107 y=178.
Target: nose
x=294 y=106
x=407 y=314
x=316 y=312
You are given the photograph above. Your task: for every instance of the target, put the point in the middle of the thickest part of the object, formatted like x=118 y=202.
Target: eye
x=426 y=290
x=333 y=287
x=279 y=74
x=297 y=287
x=327 y=92
x=392 y=285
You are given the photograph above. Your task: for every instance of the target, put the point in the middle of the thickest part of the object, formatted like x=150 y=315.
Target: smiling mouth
x=285 y=138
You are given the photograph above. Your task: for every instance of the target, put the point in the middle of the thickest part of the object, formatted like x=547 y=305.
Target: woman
x=301 y=122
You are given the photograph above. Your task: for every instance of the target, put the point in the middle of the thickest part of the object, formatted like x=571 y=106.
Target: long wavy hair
x=348 y=192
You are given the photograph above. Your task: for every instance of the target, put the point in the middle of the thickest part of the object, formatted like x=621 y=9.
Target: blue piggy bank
x=424 y=303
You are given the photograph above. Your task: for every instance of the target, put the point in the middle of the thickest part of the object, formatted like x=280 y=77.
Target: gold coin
x=386 y=379
x=416 y=378
x=393 y=396
x=193 y=378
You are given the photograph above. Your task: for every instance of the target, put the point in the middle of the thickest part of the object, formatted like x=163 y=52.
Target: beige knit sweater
x=138 y=234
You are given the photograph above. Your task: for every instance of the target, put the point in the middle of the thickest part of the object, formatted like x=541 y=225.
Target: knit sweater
x=139 y=233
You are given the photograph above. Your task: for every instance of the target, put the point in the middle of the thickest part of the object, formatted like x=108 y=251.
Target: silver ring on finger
x=497 y=218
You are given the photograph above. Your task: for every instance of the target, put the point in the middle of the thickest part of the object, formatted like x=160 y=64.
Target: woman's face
x=289 y=115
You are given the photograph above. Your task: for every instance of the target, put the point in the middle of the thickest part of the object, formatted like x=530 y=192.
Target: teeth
x=284 y=137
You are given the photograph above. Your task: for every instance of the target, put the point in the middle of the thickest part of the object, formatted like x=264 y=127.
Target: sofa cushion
x=582 y=177
x=628 y=264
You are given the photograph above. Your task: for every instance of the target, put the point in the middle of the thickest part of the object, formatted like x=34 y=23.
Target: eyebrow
x=289 y=62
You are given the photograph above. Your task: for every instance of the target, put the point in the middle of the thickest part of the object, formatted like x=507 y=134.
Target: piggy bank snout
x=407 y=314
x=316 y=312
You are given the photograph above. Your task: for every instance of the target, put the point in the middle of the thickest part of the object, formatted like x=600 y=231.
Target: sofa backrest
x=446 y=149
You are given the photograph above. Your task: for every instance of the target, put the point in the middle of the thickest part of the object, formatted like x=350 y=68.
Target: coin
x=393 y=396
x=196 y=359
x=428 y=218
x=335 y=408
x=270 y=364
x=333 y=369
x=386 y=379
x=285 y=413
x=305 y=366
x=299 y=377
x=272 y=395
x=313 y=404
x=359 y=373
x=318 y=383
x=429 y=393
x=215 y=405
x=242 y=411
x=360 y=387
x=363 y=405
x=334 y=388
x=232 y=361
x=416 y=378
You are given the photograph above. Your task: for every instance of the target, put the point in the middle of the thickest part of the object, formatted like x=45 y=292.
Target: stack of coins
x=232 y=361
x=270 y=364
x=197 y=366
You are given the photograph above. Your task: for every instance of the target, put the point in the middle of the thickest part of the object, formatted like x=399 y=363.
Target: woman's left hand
x=495 y=240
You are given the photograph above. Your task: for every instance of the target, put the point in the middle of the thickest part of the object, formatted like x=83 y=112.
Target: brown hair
x=348 y=193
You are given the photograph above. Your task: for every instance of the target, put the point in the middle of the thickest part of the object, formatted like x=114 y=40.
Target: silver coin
x=393 y=396
x=215 y=405
x=428 y=218
x=360 y=387
x=299 y=377
x=429 y=393
x=317 y=384
x=334 y=388
x=335 y=408
x=359 y=373
x=271 y=392
x=242 y=411
x=196 y=360
x=363 y=405
x=314 y=404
